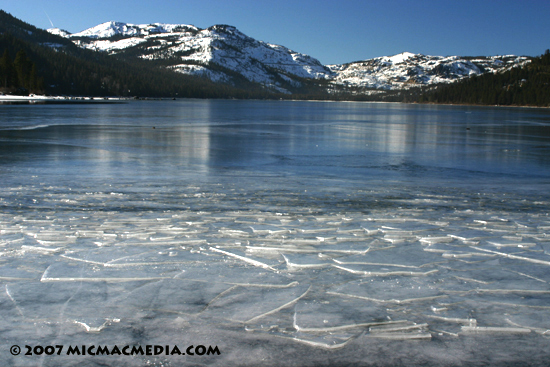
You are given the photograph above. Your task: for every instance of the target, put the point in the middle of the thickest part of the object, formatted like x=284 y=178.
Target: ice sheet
x=321 y=281
x=276 y=241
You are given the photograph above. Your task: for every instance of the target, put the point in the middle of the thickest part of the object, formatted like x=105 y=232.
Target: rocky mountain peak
x=222 y=53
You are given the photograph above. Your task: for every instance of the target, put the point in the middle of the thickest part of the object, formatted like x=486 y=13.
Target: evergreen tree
x=526 y=85
x=7 y=71
x=23 y=68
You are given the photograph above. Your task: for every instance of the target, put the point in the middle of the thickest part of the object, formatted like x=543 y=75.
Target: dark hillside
x=523 y=86
x=62 y=68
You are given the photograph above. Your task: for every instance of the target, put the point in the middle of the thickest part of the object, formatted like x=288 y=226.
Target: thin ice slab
x=245 y=304
x=400 y=290
x=332 y=314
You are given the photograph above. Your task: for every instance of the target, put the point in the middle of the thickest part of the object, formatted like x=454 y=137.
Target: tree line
x=35 y=61
x=68 y=70
x=56 y=66
x=528 y=85
x=19 y=74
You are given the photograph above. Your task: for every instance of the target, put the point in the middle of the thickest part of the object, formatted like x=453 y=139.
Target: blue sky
x=331 y=31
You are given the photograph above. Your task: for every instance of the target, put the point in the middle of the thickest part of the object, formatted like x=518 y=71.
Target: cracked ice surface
x=320 y=280
x=274 y=267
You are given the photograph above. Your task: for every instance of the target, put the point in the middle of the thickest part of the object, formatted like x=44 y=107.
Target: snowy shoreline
x=57 y=99
x=8 y=99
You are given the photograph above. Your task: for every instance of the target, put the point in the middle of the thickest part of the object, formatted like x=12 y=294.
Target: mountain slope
x=524 y=86
x=141 y=60
x=221 y=53
x=407 y=70
x=72 y=70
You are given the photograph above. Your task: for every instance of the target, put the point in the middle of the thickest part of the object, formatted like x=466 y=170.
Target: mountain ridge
x=221 y=51
x=208 y=52
x=407 y=70
x=67 y=69
x=140 y=61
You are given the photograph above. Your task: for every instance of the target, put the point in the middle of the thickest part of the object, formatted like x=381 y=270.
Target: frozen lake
x=284 y=233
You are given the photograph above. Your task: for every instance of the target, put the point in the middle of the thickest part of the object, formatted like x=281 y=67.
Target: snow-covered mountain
x=221 y=52
x=407 y=70
x=224 y=54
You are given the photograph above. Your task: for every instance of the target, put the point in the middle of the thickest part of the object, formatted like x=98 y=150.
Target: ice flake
x=392 y=290
x=335 y=314
x=62 y=302
x=235 y=272
x=103 y=255
x=165 y=257
x=382 y=270
x=404 y=330
x=536 y=320
x=431 y=240
x=246 y=259
x=173 y=296
x=417 y=335
x=394 y=257
x=41 y=249
x=298 y=261
x=328 y=341
x=89 y=272
x=516 y=257
x=493 y=330
x=246 y=305
x=293 y=248
x=510 y=242
x=471 y=235
x=264 y=230
x=95 y=325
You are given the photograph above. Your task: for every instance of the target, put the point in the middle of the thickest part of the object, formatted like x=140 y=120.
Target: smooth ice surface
x=285 y=233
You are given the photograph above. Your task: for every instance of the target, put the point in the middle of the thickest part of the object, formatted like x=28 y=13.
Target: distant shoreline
x=478 y=105
x=7 y=99
x=40 y=99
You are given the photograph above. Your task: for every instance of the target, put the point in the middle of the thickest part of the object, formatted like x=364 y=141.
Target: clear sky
x=331 y=31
